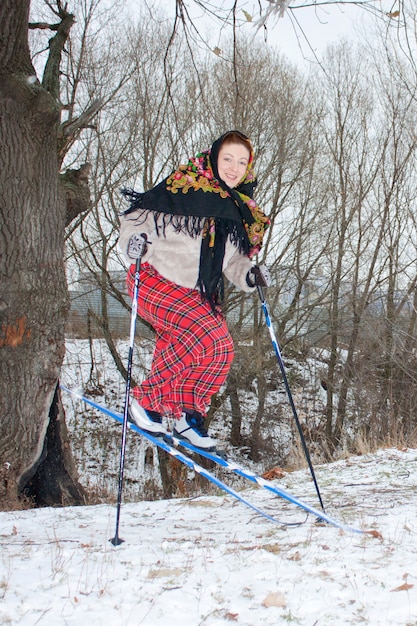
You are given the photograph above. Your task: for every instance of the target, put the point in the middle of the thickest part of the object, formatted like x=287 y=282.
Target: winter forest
x=97 y=95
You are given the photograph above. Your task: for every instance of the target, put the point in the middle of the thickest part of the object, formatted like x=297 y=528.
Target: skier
x=198 y=223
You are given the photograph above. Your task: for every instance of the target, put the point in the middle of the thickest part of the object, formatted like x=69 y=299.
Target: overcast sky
x=316 y=27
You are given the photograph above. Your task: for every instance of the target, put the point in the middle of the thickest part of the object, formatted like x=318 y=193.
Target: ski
x=221 y=460
x=170 y=444
x=173 y=451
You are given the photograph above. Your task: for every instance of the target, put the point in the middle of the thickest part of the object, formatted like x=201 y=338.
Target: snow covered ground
x=211 y=561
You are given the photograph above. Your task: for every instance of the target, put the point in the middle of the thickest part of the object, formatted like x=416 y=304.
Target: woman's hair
x=237 y=137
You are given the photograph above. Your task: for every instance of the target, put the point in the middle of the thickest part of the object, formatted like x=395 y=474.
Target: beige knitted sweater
x=176 y=255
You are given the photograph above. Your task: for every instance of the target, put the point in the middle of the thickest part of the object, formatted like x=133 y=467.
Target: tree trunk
x=236 y=413
x=33 y=291
x=56 y=480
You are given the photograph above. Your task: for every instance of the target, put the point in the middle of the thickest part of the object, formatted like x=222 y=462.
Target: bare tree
x=156 y=125
x=40 y=122
x=392 y=405
x=368 y=161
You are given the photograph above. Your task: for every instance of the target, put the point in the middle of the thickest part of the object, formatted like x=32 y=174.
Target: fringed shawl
x=194 y=200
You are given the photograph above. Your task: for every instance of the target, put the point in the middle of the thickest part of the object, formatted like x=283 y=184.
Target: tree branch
x=70 y=128
x=56 y=45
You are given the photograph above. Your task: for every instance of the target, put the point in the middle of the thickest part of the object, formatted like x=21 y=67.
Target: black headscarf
x=194 y=199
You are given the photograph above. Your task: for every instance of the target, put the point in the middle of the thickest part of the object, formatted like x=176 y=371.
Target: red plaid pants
x=193 y=350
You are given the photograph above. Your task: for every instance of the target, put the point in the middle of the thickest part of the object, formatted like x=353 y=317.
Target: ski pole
x=287 y=388
x=136 y=249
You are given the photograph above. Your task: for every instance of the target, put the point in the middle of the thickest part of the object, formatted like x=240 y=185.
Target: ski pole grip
x=137 y=246
x=261 y=294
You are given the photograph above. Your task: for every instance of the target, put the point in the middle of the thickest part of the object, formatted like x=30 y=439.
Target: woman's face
x=232 y=163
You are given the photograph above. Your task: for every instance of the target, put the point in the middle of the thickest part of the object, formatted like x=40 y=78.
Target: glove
x=137 y=246
x=259 y=276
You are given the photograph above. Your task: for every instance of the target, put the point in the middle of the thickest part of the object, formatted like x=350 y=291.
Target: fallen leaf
x=275 y=548
x=403 y=587
x=274 y=599
x=165 y=572
x=374 y=533
x=275 y=472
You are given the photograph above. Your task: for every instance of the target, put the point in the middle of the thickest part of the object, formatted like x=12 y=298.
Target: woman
x=199 y=223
